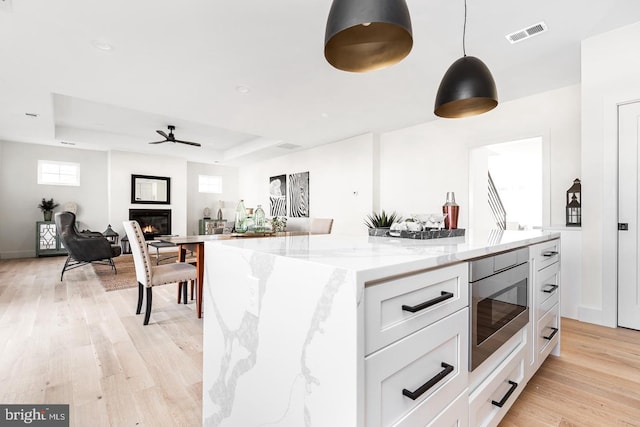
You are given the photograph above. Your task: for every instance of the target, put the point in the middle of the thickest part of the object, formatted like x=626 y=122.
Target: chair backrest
x=320 y=225
x=76 y=243
x=141 y=258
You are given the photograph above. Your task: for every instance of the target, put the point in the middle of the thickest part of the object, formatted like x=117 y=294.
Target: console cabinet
x=47 y=239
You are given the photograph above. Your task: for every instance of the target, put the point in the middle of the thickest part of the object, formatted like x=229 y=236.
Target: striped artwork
x=278 y=195
x=299 y=194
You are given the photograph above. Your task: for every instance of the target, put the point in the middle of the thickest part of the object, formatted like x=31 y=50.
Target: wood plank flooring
x=71 y=342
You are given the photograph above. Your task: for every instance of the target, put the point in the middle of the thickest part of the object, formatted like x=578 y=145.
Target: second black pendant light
x=365 y=35
x=467 y=88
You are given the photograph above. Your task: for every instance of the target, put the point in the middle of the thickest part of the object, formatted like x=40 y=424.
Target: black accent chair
x=83 y=248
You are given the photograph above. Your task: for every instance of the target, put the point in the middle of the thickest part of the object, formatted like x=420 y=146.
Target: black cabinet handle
x=506 y=396
x=553 y=334
x=413 y=395
x=550 y=289
x=549 y=253
x=443 y=296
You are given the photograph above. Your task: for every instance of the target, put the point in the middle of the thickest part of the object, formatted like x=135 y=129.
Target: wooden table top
x=184 y=240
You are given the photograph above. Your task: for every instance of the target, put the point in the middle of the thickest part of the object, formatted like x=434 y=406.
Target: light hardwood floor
x=71 y=342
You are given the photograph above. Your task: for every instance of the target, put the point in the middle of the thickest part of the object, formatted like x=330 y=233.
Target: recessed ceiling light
x=242 y=89
x=102 y=45
x=32 y=115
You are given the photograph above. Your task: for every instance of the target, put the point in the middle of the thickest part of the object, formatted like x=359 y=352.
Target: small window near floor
x=51 y=172
x=209 y=184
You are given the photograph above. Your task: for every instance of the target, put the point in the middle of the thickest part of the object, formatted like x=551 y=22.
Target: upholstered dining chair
x=320 y=225
x=150 y=275
x=83 y=248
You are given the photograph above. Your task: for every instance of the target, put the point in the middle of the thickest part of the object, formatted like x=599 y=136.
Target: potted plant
x=382 y=221
x=278 y=223
x=47 y=207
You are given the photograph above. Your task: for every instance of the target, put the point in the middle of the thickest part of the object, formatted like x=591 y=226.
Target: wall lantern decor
x=366 y=35
x=574 y=201
x=467 y=88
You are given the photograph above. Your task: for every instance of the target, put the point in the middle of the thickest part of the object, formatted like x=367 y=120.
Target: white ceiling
x=181 y=62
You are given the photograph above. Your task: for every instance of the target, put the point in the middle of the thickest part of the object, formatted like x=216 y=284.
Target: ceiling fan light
x=366 y=35
x=467 y=89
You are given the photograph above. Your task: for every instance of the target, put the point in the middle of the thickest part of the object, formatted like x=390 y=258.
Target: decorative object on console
x=366 y=35
x=279 y=223
x=451 y=210
x=47 y=207
x=467 y=88
x=206 y=213
x=299 y=195
x=70 y=207
x=574 y=203
x=111 y=235
x=278 y=195
x=241 y=218
x=220 y=206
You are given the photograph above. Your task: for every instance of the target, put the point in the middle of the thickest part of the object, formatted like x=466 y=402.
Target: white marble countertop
x=377 y=257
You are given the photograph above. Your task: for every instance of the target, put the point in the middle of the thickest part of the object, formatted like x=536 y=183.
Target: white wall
x=610 y=69
x=420 y=164
x=20 y=193
x=123 y=164
x=341 y=182
x=196 y=201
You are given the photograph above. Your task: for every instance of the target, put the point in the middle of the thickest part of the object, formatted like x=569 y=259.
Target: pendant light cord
x=464 y=29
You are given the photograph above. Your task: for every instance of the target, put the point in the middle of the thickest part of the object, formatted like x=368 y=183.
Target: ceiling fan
x=172 y=138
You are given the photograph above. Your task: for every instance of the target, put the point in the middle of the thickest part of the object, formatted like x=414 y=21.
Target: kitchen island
x=304 y=331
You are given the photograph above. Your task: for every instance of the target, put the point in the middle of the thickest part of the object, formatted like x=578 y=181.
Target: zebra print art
x=299 y=194
x=278 y=195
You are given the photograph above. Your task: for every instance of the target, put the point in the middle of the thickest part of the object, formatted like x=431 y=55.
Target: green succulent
x=381 y=220
x=47 y=205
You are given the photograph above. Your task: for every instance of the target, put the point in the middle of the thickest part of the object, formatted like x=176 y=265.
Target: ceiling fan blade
x=164 y=135
x=158 y=142
x=195 y=144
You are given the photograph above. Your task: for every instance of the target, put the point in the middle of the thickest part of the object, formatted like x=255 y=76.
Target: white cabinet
x=489 y=402
x=417 y=346
x=545 y=301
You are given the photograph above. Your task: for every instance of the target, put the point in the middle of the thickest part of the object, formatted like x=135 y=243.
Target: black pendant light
x=365 y=35
x=467 y=88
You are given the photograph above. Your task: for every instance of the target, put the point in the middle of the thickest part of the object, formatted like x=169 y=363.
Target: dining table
x=195 y=243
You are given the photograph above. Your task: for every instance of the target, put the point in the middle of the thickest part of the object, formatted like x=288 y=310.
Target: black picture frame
x=150 y=190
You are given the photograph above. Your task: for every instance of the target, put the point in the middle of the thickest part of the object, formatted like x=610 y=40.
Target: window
x=51 y=172
x=209 y=184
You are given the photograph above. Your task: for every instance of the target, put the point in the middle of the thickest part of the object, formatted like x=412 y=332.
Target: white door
x=628 y=198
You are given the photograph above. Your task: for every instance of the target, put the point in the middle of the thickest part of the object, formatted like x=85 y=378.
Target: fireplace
x=153 y=222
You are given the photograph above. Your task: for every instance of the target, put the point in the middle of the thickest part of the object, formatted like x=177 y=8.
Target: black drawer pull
x=553 y=334
x=550 y=289
x=443 y=296
x=413 y=395
x=506 y=396
x=549 y=253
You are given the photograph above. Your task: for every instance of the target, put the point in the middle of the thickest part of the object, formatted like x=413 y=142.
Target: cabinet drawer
x=399 y=307
x=494 y=397
x=433 y=361
x=548 y=334
x=545 y=254
x=455 y=415
x=547 y=288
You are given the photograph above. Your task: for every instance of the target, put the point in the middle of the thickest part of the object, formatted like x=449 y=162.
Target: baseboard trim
x=17 y=254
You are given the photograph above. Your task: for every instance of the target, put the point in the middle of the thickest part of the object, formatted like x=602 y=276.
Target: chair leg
x=113 y=265
x=184 y=291
x=64 y=268
x=193 y=286
x=140 y=293
x=147 y=314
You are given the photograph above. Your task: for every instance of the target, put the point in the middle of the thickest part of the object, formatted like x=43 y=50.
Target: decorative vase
x=47 y=215
x=450 y=209
x=241 y=218
x=259 y=219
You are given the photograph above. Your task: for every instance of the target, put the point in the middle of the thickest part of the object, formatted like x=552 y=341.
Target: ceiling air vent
x=525 y=33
